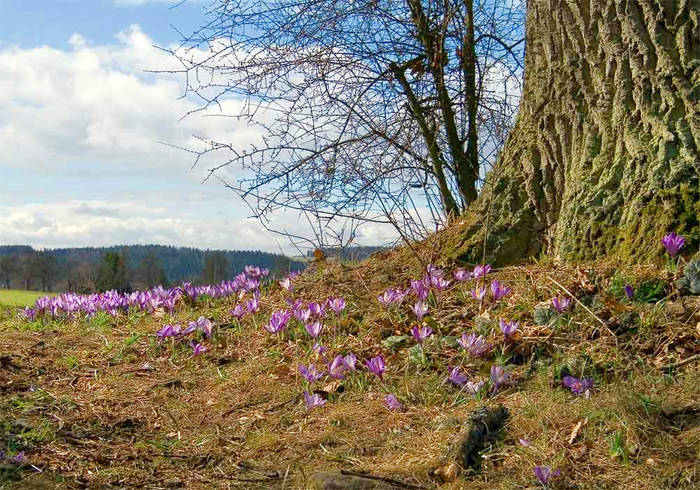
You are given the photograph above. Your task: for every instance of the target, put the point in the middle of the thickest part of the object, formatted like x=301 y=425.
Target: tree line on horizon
x=125 y=268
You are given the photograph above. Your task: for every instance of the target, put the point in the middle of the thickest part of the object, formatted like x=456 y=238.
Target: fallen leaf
x=333 y=386
x=449 y=472
x=576 y=430
x=579 y=452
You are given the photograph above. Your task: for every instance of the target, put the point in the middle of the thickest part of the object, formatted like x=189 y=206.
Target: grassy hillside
x=16 y=297
x=101 y=402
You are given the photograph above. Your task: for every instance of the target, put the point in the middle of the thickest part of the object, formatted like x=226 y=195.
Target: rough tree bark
x=603 y=159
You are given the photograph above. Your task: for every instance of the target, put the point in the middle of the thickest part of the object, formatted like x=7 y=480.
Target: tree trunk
x=603 y=159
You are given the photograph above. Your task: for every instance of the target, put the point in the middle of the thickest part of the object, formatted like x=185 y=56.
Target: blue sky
x=52 y=22
x=81 y=124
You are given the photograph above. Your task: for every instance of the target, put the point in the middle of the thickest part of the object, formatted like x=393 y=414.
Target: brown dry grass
x=233 y=417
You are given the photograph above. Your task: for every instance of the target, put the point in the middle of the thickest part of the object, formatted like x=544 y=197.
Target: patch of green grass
x=650 y=291
x=70 y=362
x=17 y=297
x=618 y=448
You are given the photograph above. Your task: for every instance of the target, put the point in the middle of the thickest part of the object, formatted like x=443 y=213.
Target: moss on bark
x=603 y=159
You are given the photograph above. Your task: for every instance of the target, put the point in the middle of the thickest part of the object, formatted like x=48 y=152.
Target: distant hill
x=61 y=269
x=179 y=263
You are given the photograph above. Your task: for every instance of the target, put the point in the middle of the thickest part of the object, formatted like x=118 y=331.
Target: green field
x=17 y=297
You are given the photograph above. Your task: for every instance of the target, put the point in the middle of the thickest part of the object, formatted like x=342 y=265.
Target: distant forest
x=131 y=266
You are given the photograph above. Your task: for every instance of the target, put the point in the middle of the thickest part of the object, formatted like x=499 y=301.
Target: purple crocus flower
x=252 y=271
x=439 y=283
x=479 y=293
x=310 y=373
x=393 y=403
x=337 y=368
x=481 y=270
x=238 y=312
x=475 y=346
x=544 y=474
x=197 y=349
x=420 y=333
x=317 y=309
x=524 y=442
x=499 y=291
x=314 y=329
x=19 y=458
x=350 y=361
x=376 y=366
x=391 y=296
x=473 y=387
x=629 y=292
x=165 y=332
x=462 y=275
x=191 y=327
x=498 y=377
x=29 y=313
x=303 y=315
x=673 y=243
x=420 y=309
x=251 y=284
x=252 y=305
x=420 y=289
x=387 y=298
x=455 y=377
x=319 y=349
x=561 y=304
x=578 y=386
x=313 y=400
x=337 y=305
x=508 y=329
x=286 y=283
x=72 y=305
x=278 y=321
x=434 y=271
x=205 y=325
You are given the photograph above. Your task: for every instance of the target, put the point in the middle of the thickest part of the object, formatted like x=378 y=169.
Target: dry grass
x=73 y=398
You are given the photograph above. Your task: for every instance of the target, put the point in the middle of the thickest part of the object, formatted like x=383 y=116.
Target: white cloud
x=92 y=117
x=96 y=223
x=98 y=103
x=101 y=223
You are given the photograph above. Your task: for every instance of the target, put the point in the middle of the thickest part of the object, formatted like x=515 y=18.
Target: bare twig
x=685 y=361
x=605 y=325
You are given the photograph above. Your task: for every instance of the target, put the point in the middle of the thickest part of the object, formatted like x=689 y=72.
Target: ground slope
x=101 y=403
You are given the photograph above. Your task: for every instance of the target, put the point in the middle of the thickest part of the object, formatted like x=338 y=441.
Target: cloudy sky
x=81 y=127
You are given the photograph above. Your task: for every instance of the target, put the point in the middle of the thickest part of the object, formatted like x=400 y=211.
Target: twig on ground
x=681 y=363
x=391 y=481
x=586 y=308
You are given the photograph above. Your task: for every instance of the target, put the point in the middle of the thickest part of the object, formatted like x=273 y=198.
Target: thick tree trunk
x=603 y=159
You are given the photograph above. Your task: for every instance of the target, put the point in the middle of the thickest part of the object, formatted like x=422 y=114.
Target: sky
x=82 y=127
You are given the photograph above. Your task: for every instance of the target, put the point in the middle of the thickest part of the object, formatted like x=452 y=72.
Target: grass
x=76 y=400
x=17 y=297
